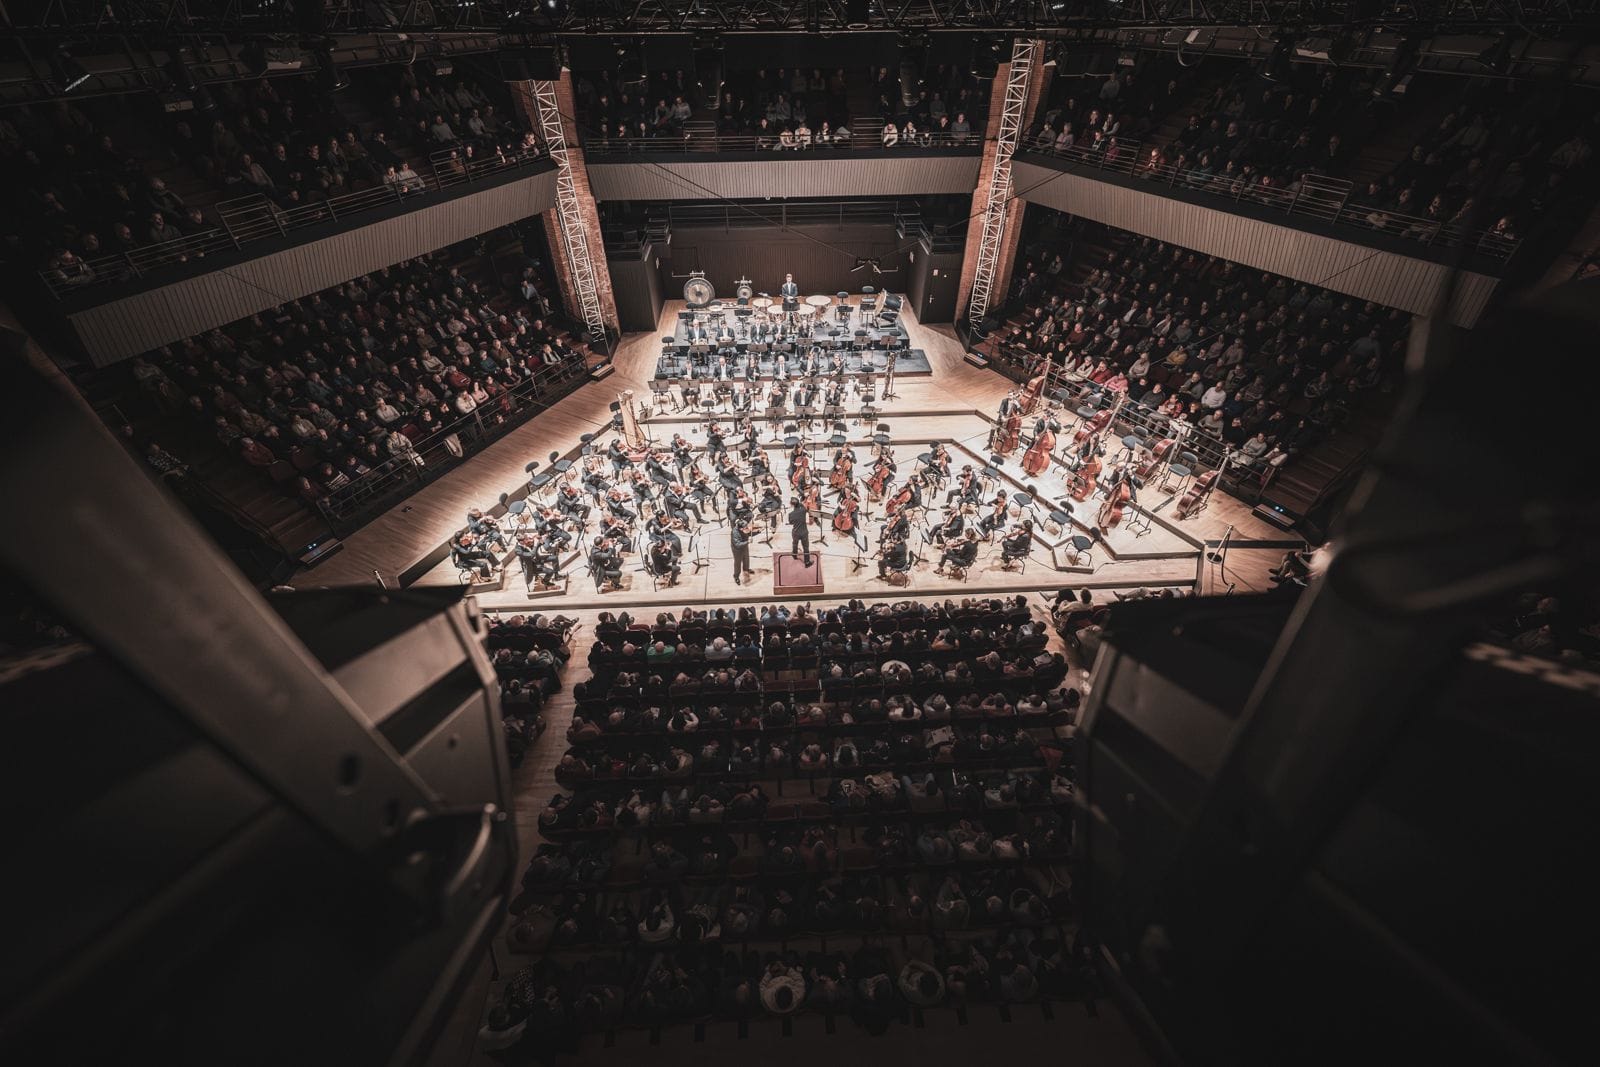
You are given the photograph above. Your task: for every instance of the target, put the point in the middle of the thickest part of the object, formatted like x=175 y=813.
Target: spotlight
x=68 y=72
x=857 y=13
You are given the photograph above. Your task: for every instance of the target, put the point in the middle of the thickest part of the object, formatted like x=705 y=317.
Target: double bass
x=1092 y=427
x=1158 y=455
x=1197 y=493
x=1117 y=498
x=1037 y=459
x=1082 y=482
x=1010 y=434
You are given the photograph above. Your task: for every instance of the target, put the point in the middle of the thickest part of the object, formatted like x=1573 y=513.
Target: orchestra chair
x=1083 y=548
x=657 y=579
x=1059 y=516
x=537 y=482
x=843 y=310
x=1007 y=558
x=1132 y=442
x=660 y=389
x=869 y=303
x=1182 y=469
x=899 y=577
x=518 y=513
x=841 y=430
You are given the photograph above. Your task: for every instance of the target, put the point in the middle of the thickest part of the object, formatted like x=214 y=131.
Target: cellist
x=1037 y=459
x=843 y=464
x=799 y=466
x=847 y=517
x=1119 y=491
x=1010 y=431
x=882 y=474
x=1083 y=481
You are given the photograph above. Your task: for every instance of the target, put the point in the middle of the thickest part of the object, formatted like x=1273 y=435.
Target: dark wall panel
x=934 y=277
x=816 y=174
x=636 y=284
x=1390 y=278
x=123 y=328
x=854 y=51
x=820 y=258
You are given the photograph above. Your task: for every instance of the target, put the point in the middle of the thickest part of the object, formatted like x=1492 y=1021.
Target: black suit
x=739 y=541
x=800 y=527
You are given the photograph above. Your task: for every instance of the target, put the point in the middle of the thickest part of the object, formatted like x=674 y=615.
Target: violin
x=1196 y=494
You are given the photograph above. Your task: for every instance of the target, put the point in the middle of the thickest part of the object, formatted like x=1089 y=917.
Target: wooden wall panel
x=122 y=328
x=1407 y=282
x=817 y=174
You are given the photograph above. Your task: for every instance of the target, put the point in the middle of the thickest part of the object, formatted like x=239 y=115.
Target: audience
x=1252 y=360
x=679 y=852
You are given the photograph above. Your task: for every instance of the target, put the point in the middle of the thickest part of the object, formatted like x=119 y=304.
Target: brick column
x=528 y=111
x=1038 y=88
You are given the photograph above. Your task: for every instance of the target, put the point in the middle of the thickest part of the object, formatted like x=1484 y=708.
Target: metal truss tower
x=569 y=209
x=1024 y=55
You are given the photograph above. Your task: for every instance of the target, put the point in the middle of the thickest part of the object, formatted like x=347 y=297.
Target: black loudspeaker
x=542 y=64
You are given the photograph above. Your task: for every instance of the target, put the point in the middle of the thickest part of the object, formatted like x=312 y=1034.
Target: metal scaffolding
x=1024 y=54
x=569 y=209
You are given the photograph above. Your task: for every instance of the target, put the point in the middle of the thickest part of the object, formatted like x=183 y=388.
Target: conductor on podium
x=799 y=518
x=790 y=293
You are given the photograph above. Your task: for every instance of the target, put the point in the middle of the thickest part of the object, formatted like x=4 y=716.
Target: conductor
x=799 y=526
x=739 y=541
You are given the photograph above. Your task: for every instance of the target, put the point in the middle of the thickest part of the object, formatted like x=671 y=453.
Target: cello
x=899 y=500
x=1037 y=459
x=878 y=482
x=1093 y=426
x=799 y=467
x=843 y=464
x=844 y=518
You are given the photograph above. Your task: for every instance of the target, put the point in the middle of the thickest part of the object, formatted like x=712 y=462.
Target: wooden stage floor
x=952 y=405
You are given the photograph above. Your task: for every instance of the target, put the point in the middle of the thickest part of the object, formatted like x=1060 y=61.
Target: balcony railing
x=692 y=143
x=257 y=217
x=1316 y=196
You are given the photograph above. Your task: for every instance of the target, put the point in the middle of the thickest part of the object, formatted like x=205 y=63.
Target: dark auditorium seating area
x=529 y=653
x=106 y=177
x=859 y=811
x=364 y=390
x=1254 y=363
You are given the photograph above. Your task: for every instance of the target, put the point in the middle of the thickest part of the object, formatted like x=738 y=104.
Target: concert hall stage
x=912 y=363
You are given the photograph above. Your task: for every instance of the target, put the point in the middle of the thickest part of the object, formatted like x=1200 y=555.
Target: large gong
x=697 y=292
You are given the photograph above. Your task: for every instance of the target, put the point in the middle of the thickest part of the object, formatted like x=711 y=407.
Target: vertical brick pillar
x=1038 y=88
x=528 y=112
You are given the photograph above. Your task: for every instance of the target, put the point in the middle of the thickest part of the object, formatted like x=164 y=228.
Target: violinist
x=939 y=465
x=739 y=534
x=952 y=527
x=968 y=487
x=682 y=453
x=617 y=506
x=701 y=492
x=1017 y=543
x=605 y=562
x=993 y=522
x=961 y=555
x=485 y=529
x=469 y=554
x=714 y=442
x=527 y=551
x=740 y=509
x=657 y=469
x=756 y=457
x=660 y=528
x=618 y=455
x=897 y=526
x=1037 y=459
x=570 y=503
x=847 y=517
x=549 y=526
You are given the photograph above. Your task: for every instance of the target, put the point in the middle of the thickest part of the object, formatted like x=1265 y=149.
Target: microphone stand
x=1219 y=557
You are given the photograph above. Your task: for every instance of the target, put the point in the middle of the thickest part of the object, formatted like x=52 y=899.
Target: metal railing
x=1316 y=196
x=257 y=217
x=431 y=456
x=601 y=147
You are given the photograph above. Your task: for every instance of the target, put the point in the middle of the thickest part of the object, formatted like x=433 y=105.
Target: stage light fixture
x=68 y=72
x=857 y=14
x=1497 y=57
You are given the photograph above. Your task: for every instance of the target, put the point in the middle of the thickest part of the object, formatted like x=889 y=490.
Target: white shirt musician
x=790 y=293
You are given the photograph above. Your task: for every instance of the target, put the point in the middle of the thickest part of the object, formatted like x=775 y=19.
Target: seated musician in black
x=993 y=522
x=682 y=453
x=952 y=527
x=595 y=482
x=619 y=455
x=893 y=557
x=679 y=506
x=1017 y=543
x=469 y=554
x=616 y=504
x=606 y=562
x=548 y=559
x=658 y=470
x=961 y=555
x=664 y=560
x=659 y=529
x=570 y=503
x=527 y=552
x=485 y=529
x=968 y=487
x=551 y=529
